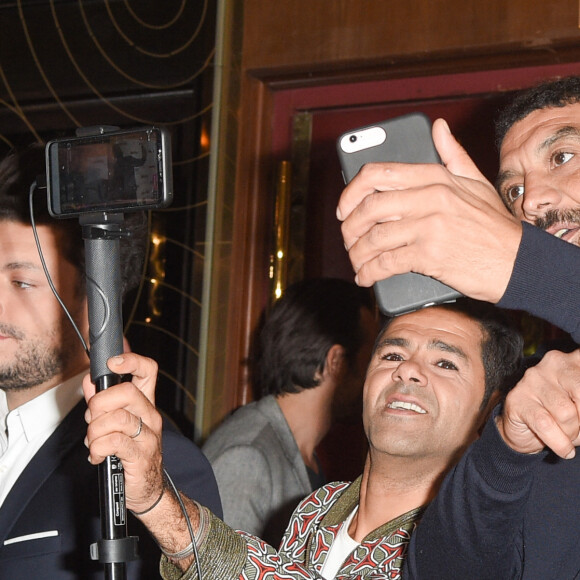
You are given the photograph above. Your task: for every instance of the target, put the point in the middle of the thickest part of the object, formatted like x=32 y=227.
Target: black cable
x=46 y=272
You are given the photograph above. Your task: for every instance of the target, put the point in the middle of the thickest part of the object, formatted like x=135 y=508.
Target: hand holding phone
x=405 y=139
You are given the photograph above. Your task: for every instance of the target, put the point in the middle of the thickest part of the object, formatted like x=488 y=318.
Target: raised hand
x=123 y=421
x=444 y=221
x=543 y=410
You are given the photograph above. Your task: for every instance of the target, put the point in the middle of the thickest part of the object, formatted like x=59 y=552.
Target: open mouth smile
x=565 y=230
x=566 y=234
x=405 y=406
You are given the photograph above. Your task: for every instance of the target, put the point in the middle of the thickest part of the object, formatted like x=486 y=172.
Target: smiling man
x=540 y=169
x=432 y=378
x=523 y=474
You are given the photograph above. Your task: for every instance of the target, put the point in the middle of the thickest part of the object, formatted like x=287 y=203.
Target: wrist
x=153 y=505
x=168 y=525
x=197 y=537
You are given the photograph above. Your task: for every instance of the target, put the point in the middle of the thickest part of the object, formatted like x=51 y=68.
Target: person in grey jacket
x=312 y=354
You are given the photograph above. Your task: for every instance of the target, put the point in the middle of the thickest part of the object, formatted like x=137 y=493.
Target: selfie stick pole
x=101 y=234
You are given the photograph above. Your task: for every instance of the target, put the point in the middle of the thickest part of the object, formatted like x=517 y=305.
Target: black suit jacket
x=53 y=509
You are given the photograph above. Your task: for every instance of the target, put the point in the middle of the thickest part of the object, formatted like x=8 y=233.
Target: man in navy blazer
x=49 y=498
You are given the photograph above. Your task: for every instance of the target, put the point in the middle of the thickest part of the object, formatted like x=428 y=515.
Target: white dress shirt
x=24 y=430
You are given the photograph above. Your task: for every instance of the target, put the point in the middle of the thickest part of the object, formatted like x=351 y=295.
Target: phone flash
x=371 y=137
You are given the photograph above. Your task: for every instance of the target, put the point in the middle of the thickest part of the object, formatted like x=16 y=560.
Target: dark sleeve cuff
x=502 y=468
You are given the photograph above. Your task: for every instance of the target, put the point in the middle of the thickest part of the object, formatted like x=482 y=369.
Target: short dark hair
x=309 y=318
x=19 y=169
x=502 y=346
x=551 y=93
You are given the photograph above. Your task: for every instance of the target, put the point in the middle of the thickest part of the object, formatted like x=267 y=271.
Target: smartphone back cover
x=404 y=293
x=408 y=140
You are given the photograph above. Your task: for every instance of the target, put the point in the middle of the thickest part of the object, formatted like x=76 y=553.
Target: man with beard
x=433 y=376
x=510 y=508
x=49 y=498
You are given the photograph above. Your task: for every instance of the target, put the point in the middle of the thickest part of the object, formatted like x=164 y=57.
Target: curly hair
x=551 y=93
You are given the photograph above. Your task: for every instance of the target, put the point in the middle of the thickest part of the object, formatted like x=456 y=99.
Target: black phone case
x=408 y=140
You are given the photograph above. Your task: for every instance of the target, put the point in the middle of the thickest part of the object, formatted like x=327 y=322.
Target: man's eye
x=20 y=284
x=446 y=364
x=513 y=192
x=392 y=356
x=561 y=157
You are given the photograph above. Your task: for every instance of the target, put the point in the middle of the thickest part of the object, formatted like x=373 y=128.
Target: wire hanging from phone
x=31 y=191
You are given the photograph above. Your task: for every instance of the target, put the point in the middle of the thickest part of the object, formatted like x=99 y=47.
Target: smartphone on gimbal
x=109 y=171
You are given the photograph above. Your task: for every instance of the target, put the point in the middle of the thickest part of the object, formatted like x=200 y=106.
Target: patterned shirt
x=226 y=554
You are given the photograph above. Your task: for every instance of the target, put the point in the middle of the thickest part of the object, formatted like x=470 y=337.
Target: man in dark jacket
x=49 y=498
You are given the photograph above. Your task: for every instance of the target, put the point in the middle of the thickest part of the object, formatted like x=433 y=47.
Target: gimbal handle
x=101 y=234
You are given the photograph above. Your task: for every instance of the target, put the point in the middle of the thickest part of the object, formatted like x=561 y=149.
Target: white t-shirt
x=24 y=430
x=341 y=547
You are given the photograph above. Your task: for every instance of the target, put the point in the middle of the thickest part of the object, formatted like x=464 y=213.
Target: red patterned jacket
x=226 y=555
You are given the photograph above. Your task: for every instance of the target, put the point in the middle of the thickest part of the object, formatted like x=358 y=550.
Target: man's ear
x=493 y=401
x=485 y=413
x=335 y=360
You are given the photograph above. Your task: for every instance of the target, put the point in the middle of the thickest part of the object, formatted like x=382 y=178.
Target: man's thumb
x=452 y=154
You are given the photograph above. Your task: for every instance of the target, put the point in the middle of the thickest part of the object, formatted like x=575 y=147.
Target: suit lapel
x=46 y=460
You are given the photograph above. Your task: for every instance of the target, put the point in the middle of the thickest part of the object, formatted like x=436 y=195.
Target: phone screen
x=110 y=172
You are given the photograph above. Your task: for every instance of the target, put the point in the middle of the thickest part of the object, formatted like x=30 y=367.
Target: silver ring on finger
x=138 y=432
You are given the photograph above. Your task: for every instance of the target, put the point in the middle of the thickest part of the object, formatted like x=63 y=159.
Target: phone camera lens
x=352 y=138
